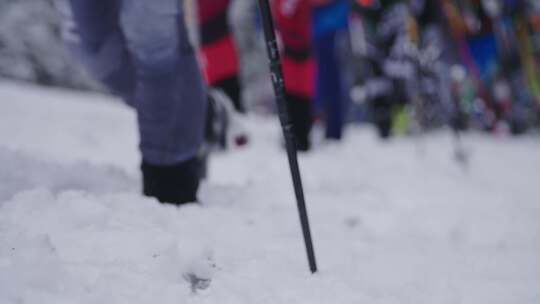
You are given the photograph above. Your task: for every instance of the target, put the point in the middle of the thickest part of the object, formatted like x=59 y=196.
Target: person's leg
x=329 y=82
x=95 y=38
x=218 y=49
x=169 y=94
x=300 y=113
x=140 y=50
x=170 y=97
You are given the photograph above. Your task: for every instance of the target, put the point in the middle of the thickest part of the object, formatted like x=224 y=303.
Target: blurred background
x=432 y=196
x=405 y=66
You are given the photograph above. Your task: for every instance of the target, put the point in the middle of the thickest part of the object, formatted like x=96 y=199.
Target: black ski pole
x=286 y=124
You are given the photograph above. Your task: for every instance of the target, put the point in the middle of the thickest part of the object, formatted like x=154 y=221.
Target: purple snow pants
x=140 y=50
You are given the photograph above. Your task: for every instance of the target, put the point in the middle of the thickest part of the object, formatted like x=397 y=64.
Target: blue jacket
x=331 y=17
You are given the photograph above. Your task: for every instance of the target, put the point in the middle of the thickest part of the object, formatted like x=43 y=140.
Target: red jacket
x=293 y=20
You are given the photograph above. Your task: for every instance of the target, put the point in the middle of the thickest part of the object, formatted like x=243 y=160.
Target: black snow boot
x=174 y=184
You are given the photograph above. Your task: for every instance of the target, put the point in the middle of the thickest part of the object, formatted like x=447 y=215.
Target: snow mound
x=392 y=222
x=59 y=247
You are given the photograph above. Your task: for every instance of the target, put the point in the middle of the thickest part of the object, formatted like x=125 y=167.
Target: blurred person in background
x=218 y=50
x=219 y=58
x=293 y=20
x=330 y=23
x=220 y=61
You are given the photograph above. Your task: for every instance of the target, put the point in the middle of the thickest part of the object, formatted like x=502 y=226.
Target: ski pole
x=286 y=124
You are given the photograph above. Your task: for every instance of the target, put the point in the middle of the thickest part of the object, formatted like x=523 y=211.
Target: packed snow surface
x=392 y=222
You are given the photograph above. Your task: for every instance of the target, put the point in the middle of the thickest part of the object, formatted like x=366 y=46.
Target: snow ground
x=395 y=222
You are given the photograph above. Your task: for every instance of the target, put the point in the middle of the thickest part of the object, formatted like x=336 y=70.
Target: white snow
x=396 y=222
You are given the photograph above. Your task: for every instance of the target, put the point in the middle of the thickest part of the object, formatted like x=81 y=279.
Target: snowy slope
x=394 y=222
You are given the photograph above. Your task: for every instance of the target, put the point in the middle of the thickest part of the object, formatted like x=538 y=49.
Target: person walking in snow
x=140 y=50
